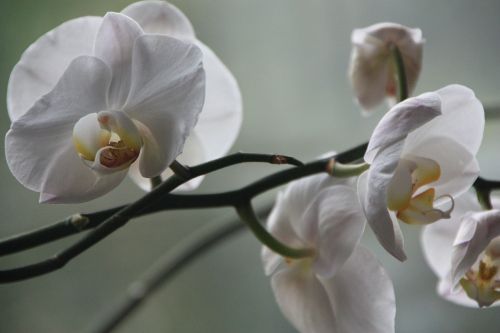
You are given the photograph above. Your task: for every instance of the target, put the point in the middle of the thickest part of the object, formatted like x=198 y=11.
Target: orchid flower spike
x=220 y=121
x=94 y=96
x=422 y=155
x=372 y=67
x=464 y=252
x=343 y=288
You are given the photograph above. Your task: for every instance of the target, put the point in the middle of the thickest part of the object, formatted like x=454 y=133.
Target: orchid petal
x=89 y=137
x=114 y=44
x=462 y=113
x=166 y=94
x=221 y=118
x=459 y=297
x=400 y=187
x=401 y=120
x=160 y=17
x=459 y=168
x=45 y=61
x=371 y=70
x=39 y=144
x=372 y=192
x=437 y=238
x=361 y=295
x=278 y=224
x=475 y=234
x=303 y=300
x=341 y=224
x=193 y=154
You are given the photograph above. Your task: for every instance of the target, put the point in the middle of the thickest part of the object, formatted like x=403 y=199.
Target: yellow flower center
x=482 y=282
x=406 y=197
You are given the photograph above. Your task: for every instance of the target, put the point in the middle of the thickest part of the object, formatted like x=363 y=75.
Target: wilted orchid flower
x=423 y=150
x=220 y=120
x=343 y=288
x=93 y=96
x=372 y=68
x=464 y=252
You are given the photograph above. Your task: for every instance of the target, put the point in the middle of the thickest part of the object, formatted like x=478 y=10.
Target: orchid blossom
x=342 y=288
x=422 y=152
x=464 y=252
x=372 y=68
x=220 y=120
x=92 y=97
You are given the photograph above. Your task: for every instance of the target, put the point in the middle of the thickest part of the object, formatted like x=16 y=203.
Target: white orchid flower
x=220 y=120
x=464 y=252
x=343 y=288
x=95 y=95
x=372 y=70
x=421 y=151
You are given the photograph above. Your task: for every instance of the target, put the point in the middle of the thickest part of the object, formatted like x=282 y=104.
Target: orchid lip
x=107 y=141
x=404 y=195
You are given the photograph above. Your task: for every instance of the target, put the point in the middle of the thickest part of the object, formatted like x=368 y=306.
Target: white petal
x=368 y=73
x=89 y=137
x=459 y=297
x=160 y=17
x=362 y=295
x=303 y=300
x=341 y=225
x=167 y=93
x=114 y=44
x=192 y=155
x=278 y=224
x=300 y=194
x=475 y=234
x=220 y=120
x=44 y=62
x=39 y=144
x=372 y=192
x=401 y=120
x=459 y=168
x=437 y=238
x=462 y=113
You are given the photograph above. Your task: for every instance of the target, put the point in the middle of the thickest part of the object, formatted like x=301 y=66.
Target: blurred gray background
x=290 y=58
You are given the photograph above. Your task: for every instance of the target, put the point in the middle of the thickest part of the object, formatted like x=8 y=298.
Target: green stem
x=400 y=74
x=247 y=214
x=155 y=181
x=340 y=170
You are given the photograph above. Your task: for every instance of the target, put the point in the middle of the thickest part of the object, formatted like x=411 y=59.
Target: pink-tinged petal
x=44 y=62
x=462 y=113
x=341 y=224
x=220 y=120
x=361 y=295
x=114 y=44
x=476 y=232
x=303 y=299
x=166 y=95
x=192 y=155
x=160 y=17
x=372 y=192
x=39 y=143
x=371 y=70
x=401 y=120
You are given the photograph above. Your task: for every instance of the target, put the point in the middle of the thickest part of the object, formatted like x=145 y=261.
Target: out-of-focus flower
x=220 y=120
x=95 y=95
x=372 y=69
x=343 y=288
x=464 y=252
x=419 y=155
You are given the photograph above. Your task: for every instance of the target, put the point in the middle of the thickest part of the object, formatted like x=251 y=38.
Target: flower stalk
x=400 y=73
